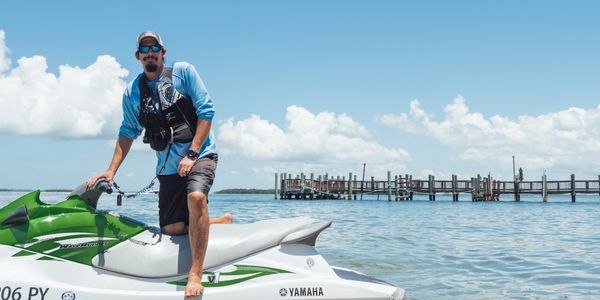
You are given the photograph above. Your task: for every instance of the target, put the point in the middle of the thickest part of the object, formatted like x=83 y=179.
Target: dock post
x=396 y=187
x=405 y=187
x=490 y=188
x=544 y=188
x=572 y=187
x=454 y=188
x=302 y=182
x=372 y=183
x=410 y=193
x=516 y=189
x=478 y=185
x=276 y=184
x=283 y=186
x=326 y=180
x=389 y=185
x=285 y=183
x=350 y=186
x=312 y=186
x=473 y=183
x=430 y=183
x=354 y=185
x=598 y=184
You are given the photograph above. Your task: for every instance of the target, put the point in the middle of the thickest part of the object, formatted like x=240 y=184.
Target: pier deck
x=404 y=187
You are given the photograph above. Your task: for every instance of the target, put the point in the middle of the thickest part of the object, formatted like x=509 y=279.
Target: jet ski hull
x=70 y=251
x=284 y=272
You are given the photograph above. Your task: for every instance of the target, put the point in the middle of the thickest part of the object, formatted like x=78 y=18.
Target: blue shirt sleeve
x=130 y=126
x=197 y=91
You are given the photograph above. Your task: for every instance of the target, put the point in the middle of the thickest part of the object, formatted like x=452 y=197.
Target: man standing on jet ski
x=169 y=102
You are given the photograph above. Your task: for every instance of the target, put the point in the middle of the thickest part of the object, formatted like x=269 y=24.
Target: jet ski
x=71 y=250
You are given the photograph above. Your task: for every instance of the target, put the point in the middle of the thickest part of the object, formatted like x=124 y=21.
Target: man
x=171 y=104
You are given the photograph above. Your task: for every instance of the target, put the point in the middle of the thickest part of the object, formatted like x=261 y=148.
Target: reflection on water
x=436 y=250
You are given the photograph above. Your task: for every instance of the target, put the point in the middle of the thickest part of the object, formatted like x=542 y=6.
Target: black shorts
x=172 y=196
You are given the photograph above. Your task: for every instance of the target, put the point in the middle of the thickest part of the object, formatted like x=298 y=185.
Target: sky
x=411 y=87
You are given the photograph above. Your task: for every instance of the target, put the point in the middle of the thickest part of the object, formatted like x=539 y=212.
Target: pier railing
x=403 y=187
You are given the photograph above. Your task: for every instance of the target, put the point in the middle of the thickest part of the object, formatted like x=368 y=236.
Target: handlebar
x=103 y=185
x=93 y=193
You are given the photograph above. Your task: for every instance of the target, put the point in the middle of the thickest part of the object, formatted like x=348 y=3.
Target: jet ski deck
x=154 y=255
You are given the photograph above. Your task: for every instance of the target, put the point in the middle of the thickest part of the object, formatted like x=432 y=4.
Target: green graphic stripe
x=23 y=253
x=47 y=258
x=252 y=271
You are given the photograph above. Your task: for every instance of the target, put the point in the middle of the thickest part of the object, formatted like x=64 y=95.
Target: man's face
x=151 y=60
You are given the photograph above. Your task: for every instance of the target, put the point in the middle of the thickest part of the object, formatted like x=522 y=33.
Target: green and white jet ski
x=70 y=250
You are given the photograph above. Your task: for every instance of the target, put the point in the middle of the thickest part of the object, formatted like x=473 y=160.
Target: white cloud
x=4 y=61
x=79 y=102
x=319 y=140
x=566 y=140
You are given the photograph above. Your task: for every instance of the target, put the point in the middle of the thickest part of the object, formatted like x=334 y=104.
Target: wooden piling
x=389 y=185
x=350 y=186
x=517 y=186
x=544 y=189
x=454 y=188
x=276 y=185
x=372 y=183
x=410 y=184
x=396 y=187
x=302 y=182
x=430 y=185
x=573 y=188
x=326 y=179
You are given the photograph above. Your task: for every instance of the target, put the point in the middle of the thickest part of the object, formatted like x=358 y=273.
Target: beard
x=151 y=67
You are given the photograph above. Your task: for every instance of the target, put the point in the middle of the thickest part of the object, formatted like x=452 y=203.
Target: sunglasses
x=146 y=49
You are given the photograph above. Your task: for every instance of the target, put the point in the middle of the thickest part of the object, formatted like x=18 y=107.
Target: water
x=436 y=250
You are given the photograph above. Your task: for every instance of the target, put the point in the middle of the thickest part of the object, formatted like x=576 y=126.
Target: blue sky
x=415 y=87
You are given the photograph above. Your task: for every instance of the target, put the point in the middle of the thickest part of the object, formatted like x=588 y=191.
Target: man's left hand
x=185 y=166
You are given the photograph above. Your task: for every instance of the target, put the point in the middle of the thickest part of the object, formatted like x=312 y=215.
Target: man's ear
x=164 y=51
x=137 y=55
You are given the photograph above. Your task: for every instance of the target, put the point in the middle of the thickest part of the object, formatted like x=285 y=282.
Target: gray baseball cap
x=149 y=34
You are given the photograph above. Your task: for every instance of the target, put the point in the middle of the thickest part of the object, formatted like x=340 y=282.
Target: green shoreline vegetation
x=246 y=191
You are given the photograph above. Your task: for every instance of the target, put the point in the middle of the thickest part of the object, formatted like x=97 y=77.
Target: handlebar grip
x=104 y=186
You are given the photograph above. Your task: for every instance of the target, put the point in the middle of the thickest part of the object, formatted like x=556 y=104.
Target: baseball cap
x=149 y=34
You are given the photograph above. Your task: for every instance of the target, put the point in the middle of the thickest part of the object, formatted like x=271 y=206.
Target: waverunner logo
x=83 y=245
x=301 y=292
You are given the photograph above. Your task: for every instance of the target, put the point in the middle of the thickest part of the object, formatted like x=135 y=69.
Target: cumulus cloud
x=79 y=102
x=567 y=139
x=319 y=139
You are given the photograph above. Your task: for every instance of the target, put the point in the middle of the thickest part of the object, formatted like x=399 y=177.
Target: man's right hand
x=108 y=175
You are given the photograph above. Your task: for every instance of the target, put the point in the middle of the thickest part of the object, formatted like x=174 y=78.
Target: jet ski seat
x=151 y=254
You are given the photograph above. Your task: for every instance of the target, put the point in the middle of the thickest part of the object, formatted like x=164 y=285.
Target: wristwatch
x=192 y=154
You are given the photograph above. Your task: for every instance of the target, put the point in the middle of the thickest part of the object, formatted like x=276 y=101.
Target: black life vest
x=169 y=119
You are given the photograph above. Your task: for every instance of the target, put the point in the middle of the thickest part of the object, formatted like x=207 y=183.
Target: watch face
x=192 y=154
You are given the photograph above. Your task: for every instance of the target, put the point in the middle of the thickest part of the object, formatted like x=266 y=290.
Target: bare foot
x=194 y=286
x=226 y=218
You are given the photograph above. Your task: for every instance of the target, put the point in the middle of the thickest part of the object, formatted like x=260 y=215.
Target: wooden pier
x=404 y=187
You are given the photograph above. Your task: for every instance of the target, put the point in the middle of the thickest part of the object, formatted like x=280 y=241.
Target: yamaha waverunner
x=70 y=250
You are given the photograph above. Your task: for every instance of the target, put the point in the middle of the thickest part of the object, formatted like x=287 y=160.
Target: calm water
x=437 y=250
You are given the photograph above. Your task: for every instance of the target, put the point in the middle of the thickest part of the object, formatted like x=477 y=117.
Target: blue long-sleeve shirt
x=186 y=81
